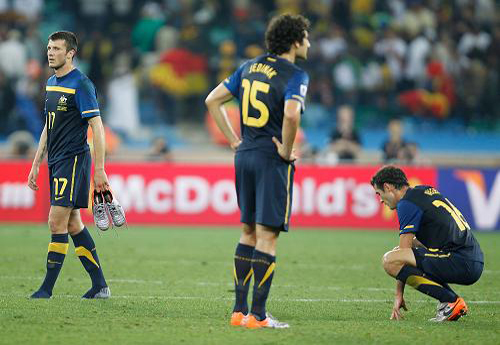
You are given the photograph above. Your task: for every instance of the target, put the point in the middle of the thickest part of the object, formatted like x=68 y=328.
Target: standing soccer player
x=436 y=245
x=271 y=91
x=70 y=107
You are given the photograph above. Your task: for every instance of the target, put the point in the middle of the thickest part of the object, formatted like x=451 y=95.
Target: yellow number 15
x=250 y=97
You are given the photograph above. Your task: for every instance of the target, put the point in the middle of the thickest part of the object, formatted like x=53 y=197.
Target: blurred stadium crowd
x=153 y=62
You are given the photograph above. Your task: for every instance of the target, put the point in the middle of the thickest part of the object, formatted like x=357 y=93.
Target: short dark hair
x=389 y=174
x=283 y=31
x=68 y=37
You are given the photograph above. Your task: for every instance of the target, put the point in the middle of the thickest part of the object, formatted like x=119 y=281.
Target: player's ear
x=386 y=187
x=71 y=54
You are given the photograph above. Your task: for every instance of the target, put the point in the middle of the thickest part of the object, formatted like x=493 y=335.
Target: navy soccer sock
x=418 y=280
x=263 y=270
x=85 y=249
x=242 y=275
x=58 y=247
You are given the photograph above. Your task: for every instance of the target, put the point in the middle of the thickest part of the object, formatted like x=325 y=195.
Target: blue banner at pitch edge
x=476 y=193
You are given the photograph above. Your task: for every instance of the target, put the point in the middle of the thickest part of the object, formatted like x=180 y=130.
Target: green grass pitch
x=174 y=286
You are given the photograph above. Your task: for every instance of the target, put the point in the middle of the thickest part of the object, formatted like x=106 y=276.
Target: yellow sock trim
x=235 y=275
x=82 y=251
x=416 y=281
x=249 y=275
x=57 y=247
x=268 y=274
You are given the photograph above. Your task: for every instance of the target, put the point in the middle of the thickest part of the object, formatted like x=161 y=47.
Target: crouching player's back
x=436 y=245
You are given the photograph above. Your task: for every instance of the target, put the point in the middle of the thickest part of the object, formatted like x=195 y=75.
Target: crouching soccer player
x=70 y=107
x=436 y=245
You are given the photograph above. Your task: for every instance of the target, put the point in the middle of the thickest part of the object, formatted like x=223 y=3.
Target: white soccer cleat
x=98 y=293
x=101 y=217
x=268 y=322
x=115 y=209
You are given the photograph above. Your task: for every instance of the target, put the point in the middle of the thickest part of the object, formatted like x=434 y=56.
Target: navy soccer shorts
x=448 y=267
x=264 y=187
x=69 y=181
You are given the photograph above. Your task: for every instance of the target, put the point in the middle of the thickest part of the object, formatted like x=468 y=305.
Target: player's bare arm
x=417 y=243
x=100 y=178
x=405 y=244
x=215 y=104
x=291 y=121
x=399 y=301
x=40 y=153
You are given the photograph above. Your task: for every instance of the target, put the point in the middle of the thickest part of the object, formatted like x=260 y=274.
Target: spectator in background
x=13 y=56
x=21 y=145
x=160 y=150
x=393 y=49
x=344 y=140
x=7 y=103
x=144 y=32
x=396 y=149
x=123 y=97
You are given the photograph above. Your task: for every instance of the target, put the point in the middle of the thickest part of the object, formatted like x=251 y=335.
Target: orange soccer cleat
x=268 y=322
x=238 y=319
x=451 y=311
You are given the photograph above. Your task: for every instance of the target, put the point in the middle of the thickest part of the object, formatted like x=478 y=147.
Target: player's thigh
x=448 y=267
x=267 y=238
x=244 y=164
x=75 y=224
x=58 y=219
x=70 y=181
x=274 y=193
x=248 y=235
x=399 y=257
x=266 y=233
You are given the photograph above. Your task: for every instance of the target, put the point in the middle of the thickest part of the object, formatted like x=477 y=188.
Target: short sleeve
x=409 y=216
x=233 y=82
x=297 y=88
x=86 y=99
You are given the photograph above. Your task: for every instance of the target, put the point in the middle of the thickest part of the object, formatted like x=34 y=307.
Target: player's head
x=286 y=32
x=389 y=183
x=61 y=48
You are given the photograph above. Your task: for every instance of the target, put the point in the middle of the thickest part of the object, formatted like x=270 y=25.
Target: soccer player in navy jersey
x=436 y=245
x=271 y=91
x=70 y=107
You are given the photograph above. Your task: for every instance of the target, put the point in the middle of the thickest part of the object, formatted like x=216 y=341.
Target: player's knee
x=387 y=261
x=248 y=230
x=56 y=226
x=74 y=228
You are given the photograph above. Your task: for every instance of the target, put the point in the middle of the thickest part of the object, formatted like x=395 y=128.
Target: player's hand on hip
x=101 y=182
x=399 y=302
x=235 y=145
x=282 y=151
x=33 y=176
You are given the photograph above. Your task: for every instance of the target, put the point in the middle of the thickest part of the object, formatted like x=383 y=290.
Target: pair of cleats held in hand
x=107 y=210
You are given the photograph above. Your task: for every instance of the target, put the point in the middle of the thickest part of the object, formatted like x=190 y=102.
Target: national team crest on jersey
x=61 y=105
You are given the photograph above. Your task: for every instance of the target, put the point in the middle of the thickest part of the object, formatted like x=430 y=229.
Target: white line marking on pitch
x=132 y=281
x=336 y=300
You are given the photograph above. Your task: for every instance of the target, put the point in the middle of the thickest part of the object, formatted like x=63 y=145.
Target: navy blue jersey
x=262 y=85
x=69 y=102
x=436 y=222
